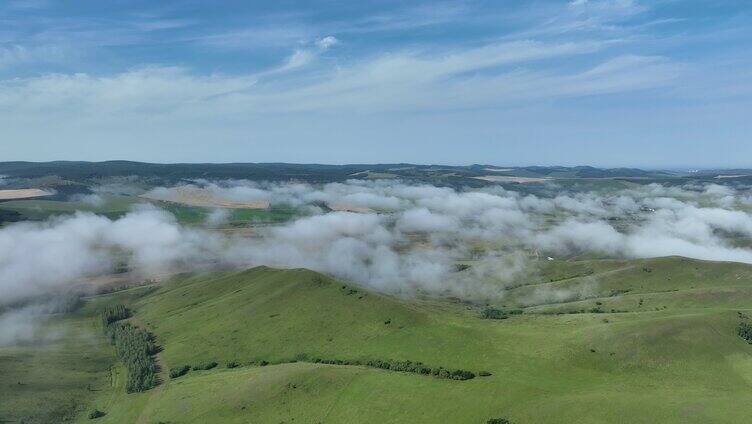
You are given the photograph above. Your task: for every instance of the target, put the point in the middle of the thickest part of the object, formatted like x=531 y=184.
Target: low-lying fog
x=387 y=235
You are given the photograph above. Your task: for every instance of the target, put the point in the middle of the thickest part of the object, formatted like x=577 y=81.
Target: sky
x=653 y=84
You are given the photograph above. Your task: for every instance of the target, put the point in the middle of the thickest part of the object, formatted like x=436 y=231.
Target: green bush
x=498 y=421
x=204 y=366
x=96 y=413
x=179 y=371
x=233 y=364
x=493 y=313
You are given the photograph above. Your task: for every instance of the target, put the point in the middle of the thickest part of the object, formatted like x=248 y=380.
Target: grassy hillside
x=682 y=363
x=669 y=353
x=40 y=209
x=55 y=380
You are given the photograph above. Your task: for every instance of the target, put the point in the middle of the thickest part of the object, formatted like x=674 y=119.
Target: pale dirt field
x=348 y=208
x=720 y=177
x=507 y=179
x=498 y=169
x=24 y=193
x=195 y=196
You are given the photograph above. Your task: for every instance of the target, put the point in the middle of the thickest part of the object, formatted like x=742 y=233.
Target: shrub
x=493 y=313
x=498 y=421
x=233 y=364
x=484 y=374
x=96 y=413
x=462 y=375
x=204 y=366
x=179 y=371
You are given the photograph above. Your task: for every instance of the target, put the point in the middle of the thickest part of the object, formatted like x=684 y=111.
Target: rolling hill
x=667 y=353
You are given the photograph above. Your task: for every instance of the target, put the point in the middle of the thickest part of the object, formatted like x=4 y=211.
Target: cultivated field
x=22 y=193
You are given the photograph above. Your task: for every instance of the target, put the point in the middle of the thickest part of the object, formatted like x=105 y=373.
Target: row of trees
x=493 y=313
x=403 y=366
x=183 y=370
x=134 y=346
x=391 y=365
x=114 y=313
x=204 y=365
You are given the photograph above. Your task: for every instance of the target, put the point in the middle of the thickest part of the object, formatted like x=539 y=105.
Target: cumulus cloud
x=217 y=217
x=406 y=238
x=326 y=42
x=422 y=219
x=36 y=258
x=94 y=200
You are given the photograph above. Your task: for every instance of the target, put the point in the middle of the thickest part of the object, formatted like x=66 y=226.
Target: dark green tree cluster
x=498 y=421
x=744 y=330
x=493 y=313
x=114 y=313
x=135 y=347
x=179 y=371
x=403 y=366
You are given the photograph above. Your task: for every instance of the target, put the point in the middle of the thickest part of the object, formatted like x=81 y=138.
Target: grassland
x=668 y=353
x=54 y=381
x=115 y=207
x=38 y=209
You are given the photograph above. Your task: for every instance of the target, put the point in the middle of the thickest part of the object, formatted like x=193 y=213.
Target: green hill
x=668 y=353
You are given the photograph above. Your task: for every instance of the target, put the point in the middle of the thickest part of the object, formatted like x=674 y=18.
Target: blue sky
x=663 y=83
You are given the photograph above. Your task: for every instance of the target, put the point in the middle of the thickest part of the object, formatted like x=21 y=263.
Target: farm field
x=114 y=207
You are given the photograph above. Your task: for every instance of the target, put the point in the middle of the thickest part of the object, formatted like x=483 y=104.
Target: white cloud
x=298 y=59
x=326 y=42
x=13 y=55
x=404 y=81
x=413 y=246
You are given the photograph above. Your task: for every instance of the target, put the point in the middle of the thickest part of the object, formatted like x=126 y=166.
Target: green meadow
x=649 y=341
x=38 y=210
x=115 y=206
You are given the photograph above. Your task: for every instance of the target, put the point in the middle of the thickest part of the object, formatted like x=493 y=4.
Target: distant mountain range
x=452 y=175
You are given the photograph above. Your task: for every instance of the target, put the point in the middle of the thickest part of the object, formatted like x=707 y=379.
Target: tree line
x=391 y=365
x=134 y=346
